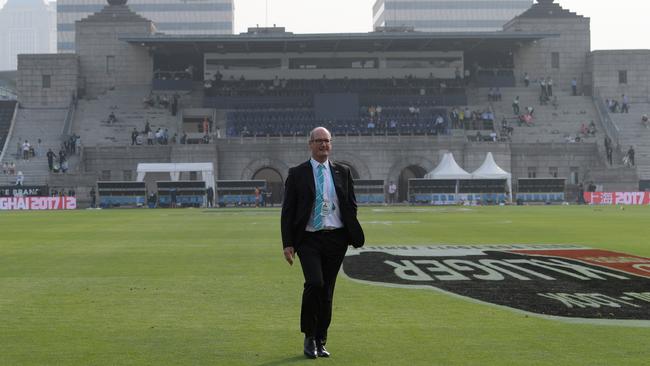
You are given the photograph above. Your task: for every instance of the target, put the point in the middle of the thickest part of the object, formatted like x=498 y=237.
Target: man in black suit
x=319 y=221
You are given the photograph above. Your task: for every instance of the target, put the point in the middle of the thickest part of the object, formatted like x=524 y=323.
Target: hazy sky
x=620 y=24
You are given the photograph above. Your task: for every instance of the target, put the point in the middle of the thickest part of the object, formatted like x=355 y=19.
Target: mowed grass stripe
x=210 y=287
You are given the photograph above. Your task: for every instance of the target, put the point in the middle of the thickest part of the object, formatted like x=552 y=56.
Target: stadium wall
x=573 y=47
x=618 y=72
x=47 y=80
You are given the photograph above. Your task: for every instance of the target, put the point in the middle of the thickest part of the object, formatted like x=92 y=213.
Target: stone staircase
x=550 y=124
x=91 y=118
x=31 y=125
x=633 y=133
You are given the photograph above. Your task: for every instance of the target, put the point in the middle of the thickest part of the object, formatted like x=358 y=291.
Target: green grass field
x=210 y=287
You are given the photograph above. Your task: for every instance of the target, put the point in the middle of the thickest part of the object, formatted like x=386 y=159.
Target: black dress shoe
x=310 y=347
x=320 y=349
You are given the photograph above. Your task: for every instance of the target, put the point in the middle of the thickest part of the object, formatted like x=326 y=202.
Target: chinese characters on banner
x=617 y=198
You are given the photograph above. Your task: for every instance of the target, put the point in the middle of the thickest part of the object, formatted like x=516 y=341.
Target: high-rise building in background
x=169 y=16
x=448 y=15
x=26 y=26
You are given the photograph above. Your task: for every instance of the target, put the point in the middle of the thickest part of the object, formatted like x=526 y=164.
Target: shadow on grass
x=286 y=361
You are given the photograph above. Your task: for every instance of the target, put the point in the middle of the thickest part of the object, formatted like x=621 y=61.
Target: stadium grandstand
x=532 y=94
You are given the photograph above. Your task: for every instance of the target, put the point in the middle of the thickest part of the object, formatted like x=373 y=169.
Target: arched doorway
x=412 y=171
x=274 y=184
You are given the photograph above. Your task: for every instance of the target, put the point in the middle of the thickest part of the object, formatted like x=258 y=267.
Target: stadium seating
x=31 y=125
x=127 y=104
x=633 y=133
x=550 y=124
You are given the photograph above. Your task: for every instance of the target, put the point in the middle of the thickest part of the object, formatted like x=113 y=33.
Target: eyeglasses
x=321 y=141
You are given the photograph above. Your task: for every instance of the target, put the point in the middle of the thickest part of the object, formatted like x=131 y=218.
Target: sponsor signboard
x=617 y=198
x=564 y=281
x=37 y=203
x=24 y=191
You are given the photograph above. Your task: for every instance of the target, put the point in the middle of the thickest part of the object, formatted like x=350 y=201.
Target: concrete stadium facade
x=117 y=50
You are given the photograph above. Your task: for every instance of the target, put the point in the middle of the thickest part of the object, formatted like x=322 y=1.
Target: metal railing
x=69 y=118
x=10 y=132
x=610 y=126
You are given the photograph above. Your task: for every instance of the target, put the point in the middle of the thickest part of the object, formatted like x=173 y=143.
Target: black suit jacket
x=299 y=196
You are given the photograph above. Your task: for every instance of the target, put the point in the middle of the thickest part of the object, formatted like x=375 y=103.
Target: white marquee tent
x=490 y=170
x=175 y=169
x=448 y=169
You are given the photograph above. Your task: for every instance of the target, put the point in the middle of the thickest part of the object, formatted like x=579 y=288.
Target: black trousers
x=321 y=255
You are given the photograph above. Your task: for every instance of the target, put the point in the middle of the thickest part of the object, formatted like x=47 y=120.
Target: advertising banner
x=37 y=203
x=617 y=198
x=24 y=191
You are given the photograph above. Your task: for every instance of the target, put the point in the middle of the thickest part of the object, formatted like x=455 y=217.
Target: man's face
x=320 y=145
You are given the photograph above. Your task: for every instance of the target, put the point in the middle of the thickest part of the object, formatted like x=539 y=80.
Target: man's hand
x=289 y=254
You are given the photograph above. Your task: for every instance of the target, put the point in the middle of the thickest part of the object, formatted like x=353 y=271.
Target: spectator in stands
x=530 y=110
x=584 y=131
x=625 y=104
x=37 y=148
x=506 y=129
x=491 y=96
x=147 y=127
x=574 y=87
x=205 y=128
x=555 y=103
x=159 y=136
x=12 y=168
x=515 y=106
x=439 y=126
x=644 y=120
x=591 y=129
x=5 y=168
x=392 y=192
x=183 y=140
x=493 y=136
x=148 y=101
x=26 y=147
x=50 y=159
x=526 y=80
x=608 y=149
x=112 y=118
x=150 y=138
x=164 y=101
x=543 y=89
x=630 y=156
x=62 y=156
x=497 y=94
x=210 y=194
x=134 y=136
x=20 y=178
x=549 y=86
x=581 y=194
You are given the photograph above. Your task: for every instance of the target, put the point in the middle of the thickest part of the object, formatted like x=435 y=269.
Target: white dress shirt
x=333 y=220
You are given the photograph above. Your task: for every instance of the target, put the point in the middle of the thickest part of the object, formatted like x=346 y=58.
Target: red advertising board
x=617 y=198
x=37 y=203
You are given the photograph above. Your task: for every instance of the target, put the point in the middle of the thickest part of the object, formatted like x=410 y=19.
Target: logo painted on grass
x=552 y=280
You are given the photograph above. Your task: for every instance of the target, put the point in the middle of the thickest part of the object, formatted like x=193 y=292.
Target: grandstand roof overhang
x=337 y=42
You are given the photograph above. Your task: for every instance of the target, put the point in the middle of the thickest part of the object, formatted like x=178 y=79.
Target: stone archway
x=274 y=184
x=404 y=169
x=411 y=171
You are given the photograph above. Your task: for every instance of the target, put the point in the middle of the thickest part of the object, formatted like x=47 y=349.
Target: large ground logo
x=553 y=280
